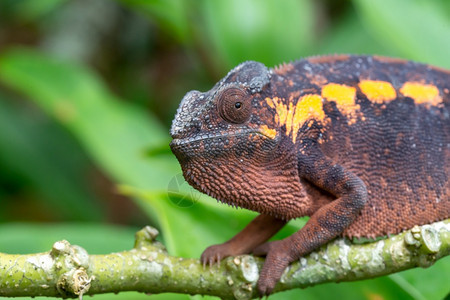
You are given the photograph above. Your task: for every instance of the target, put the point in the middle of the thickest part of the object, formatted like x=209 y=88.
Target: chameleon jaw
x=262 y=131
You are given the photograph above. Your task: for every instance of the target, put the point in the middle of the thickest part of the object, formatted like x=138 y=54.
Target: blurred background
x=88 y=89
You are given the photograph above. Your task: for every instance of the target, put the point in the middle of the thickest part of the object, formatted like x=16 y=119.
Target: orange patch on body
x=317 y=79
x=269 y=132
x=309 y=107
x=421 y=93
x=283 y=68
x=270 y=102
x=390 y=60
x=280 y=108
x=290 y=115
x=378 y=91
x=344 y=96
x=320 y=59
x=439 y=69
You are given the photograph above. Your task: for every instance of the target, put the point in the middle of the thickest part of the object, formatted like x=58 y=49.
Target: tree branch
x=69 y=271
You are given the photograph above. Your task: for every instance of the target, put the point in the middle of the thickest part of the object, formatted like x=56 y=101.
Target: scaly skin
x=360 y=144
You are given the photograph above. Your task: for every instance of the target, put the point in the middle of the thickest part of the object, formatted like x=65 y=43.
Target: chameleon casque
x=361 y=144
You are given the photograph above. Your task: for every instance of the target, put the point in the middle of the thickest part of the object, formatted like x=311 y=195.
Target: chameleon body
x=361 y=144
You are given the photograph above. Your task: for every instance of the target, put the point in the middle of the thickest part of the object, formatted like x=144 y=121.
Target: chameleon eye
x=234 y=105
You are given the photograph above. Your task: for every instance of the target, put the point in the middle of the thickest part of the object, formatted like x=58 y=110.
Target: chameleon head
x=226 y=140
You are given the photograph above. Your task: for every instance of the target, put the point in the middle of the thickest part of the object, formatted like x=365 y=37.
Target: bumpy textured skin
x=361 y=144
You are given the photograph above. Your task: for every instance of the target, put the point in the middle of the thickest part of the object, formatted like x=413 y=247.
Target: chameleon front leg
x=254 y=234
x=325 y=224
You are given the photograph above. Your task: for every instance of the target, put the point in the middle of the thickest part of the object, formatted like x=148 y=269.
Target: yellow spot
x=421 y=93
x=290 y=115
x=294 y=116
x=344 y=96
x=378 y=91
x=280 y=108
x=270 y=102
x=269 y=132
x=308 y=107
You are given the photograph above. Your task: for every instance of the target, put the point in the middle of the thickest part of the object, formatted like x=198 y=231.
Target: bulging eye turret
x=234 y=105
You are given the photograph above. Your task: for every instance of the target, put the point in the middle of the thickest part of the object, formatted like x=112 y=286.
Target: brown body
x=360 y=144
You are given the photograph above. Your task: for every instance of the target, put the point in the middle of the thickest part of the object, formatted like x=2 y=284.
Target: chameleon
x=360 y=144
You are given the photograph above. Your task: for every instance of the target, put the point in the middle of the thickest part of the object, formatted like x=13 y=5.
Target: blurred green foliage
x=89 y=88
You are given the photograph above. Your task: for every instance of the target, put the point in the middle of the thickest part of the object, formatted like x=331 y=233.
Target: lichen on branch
x=69 y=271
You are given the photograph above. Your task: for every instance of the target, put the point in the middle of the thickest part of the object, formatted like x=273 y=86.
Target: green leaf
x=347 y=35
x=116 y=134
x=170 y=14
x=418 y=29
x=267 y=31
x=25 y=238
x=48 y=160
x=30 y=10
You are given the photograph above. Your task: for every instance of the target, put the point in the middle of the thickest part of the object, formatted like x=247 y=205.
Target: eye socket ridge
x=234 y=105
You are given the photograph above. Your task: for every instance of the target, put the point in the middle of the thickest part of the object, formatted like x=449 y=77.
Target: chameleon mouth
x=179 y=142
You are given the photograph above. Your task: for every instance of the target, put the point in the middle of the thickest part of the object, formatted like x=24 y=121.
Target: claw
x=277 y=259
x=266 y=288
x=214 y=254
x=218 y=259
